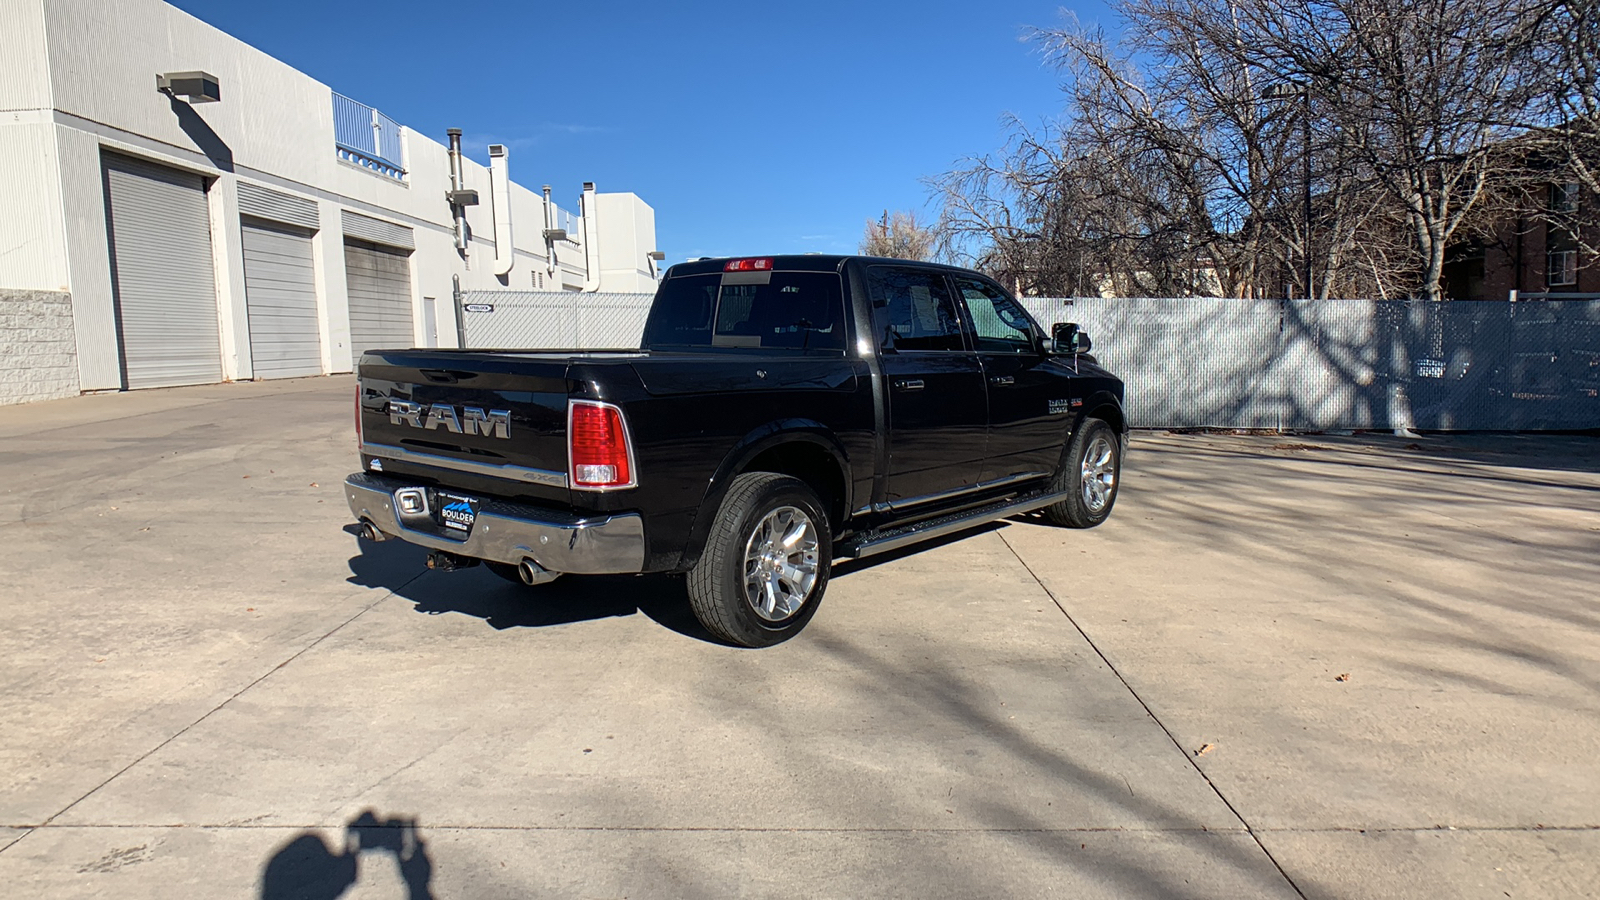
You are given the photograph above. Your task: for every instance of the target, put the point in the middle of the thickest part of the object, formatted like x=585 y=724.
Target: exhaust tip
x=532 y=573
x=370 y=532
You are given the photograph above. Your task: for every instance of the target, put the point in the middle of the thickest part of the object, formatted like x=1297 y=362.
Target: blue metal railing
x=569 y=222
x=366 y=137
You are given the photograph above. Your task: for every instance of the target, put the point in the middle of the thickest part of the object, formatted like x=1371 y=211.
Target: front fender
x=1096 y=403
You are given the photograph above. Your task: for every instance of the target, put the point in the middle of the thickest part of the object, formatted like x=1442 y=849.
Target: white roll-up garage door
x=166 y=294
x=281 y=295
x=379 y=283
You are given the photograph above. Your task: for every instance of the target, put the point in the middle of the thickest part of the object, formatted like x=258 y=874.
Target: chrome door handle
x=1003 y=379
x=909 y=384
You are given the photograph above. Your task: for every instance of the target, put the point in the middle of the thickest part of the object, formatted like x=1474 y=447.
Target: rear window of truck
x=791 y=311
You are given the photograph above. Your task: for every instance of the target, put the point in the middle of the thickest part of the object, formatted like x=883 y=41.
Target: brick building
x=1530 y=254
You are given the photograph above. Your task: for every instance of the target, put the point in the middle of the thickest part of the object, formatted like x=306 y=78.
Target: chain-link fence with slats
x=553 y=319
x=1225 y=363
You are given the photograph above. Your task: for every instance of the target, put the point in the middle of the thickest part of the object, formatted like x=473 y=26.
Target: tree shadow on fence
x=1350 y=364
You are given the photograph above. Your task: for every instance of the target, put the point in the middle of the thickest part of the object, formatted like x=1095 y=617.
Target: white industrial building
x=177 y=207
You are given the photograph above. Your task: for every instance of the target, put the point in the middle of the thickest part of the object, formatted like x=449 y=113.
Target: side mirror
x=1066 y=338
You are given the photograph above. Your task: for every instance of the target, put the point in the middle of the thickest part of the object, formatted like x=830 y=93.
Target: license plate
x=457 y=513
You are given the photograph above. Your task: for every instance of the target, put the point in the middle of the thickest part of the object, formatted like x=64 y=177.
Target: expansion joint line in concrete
x=214 y=710
x=1154 y=718
x=646 y=829
x=11 y=843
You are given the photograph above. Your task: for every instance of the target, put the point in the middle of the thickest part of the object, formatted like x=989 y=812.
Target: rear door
x=937 y=405
x=1027 y=392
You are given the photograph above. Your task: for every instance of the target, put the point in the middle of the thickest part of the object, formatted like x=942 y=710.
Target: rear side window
x=792 y=311
x=912 y=309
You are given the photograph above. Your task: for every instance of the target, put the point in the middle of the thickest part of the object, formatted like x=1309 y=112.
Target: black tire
x=717 y=583
x=504 y=570
x=1080 y=509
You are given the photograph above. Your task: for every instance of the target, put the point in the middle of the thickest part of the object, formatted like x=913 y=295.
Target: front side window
x=999 y=325
x=912 y=309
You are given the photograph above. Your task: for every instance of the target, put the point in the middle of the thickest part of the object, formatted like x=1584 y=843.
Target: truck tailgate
x=469 y=419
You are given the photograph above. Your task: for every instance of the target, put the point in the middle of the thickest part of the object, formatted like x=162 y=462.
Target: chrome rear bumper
x=510 y=532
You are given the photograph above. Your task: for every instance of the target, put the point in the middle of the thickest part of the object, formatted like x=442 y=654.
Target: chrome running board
x=875 y=542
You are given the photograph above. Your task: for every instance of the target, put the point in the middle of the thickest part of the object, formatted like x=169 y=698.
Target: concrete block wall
x=38 y=346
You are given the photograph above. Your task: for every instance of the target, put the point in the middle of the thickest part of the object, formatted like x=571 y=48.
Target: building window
x=1564 y=197
x=1562 y=268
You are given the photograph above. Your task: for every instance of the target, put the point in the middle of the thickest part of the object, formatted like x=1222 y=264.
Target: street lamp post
x=1293 y=90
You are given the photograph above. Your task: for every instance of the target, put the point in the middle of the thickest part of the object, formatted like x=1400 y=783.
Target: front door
x=937 y=404
x=1028 y=406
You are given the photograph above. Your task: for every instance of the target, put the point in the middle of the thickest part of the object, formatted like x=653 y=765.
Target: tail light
x=358 y=412
x=598 y=450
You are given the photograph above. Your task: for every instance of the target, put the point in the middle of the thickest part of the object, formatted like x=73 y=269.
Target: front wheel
x=766 y=561
x=1091 y=470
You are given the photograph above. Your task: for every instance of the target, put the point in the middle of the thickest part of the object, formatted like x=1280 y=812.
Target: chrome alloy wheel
x=1098 y=474
x=780 y=563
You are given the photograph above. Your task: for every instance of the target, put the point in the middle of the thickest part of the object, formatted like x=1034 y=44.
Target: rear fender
x=768 y=437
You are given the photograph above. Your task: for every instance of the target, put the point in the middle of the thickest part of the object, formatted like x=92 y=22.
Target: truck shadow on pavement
x=400 y=567
x=305 y=867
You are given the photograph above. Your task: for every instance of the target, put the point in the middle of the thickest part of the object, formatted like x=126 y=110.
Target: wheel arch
x=802 y=448
x=1104 y=405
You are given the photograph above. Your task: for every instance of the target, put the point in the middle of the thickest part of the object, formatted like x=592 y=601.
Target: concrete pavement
x=212 y=689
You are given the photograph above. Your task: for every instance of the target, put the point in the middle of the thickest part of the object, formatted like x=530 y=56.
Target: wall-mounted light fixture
x=195 y=87
x=657 y=255
x=551 y=235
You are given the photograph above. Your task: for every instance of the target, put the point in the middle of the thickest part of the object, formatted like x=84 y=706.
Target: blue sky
x=750 y=128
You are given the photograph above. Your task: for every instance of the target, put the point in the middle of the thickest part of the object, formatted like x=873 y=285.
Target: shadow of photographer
x=306 y=868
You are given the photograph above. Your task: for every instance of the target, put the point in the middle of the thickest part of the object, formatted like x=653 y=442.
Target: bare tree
x=1424 y=94
x=1573 y=116
x=897 y=235
x=1312 y=147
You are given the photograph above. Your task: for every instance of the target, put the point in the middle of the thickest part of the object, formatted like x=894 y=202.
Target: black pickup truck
x=783 y=412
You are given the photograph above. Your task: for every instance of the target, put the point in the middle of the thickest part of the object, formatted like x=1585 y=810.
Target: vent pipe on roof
x=549 y=239
x=591 y=240
x=458 y=193
x=505 y=252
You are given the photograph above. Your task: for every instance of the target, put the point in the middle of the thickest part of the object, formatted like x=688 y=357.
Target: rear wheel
x=766 y=562
x=1091 y=470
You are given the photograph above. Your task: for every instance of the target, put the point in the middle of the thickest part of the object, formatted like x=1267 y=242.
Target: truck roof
x=792 y=262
